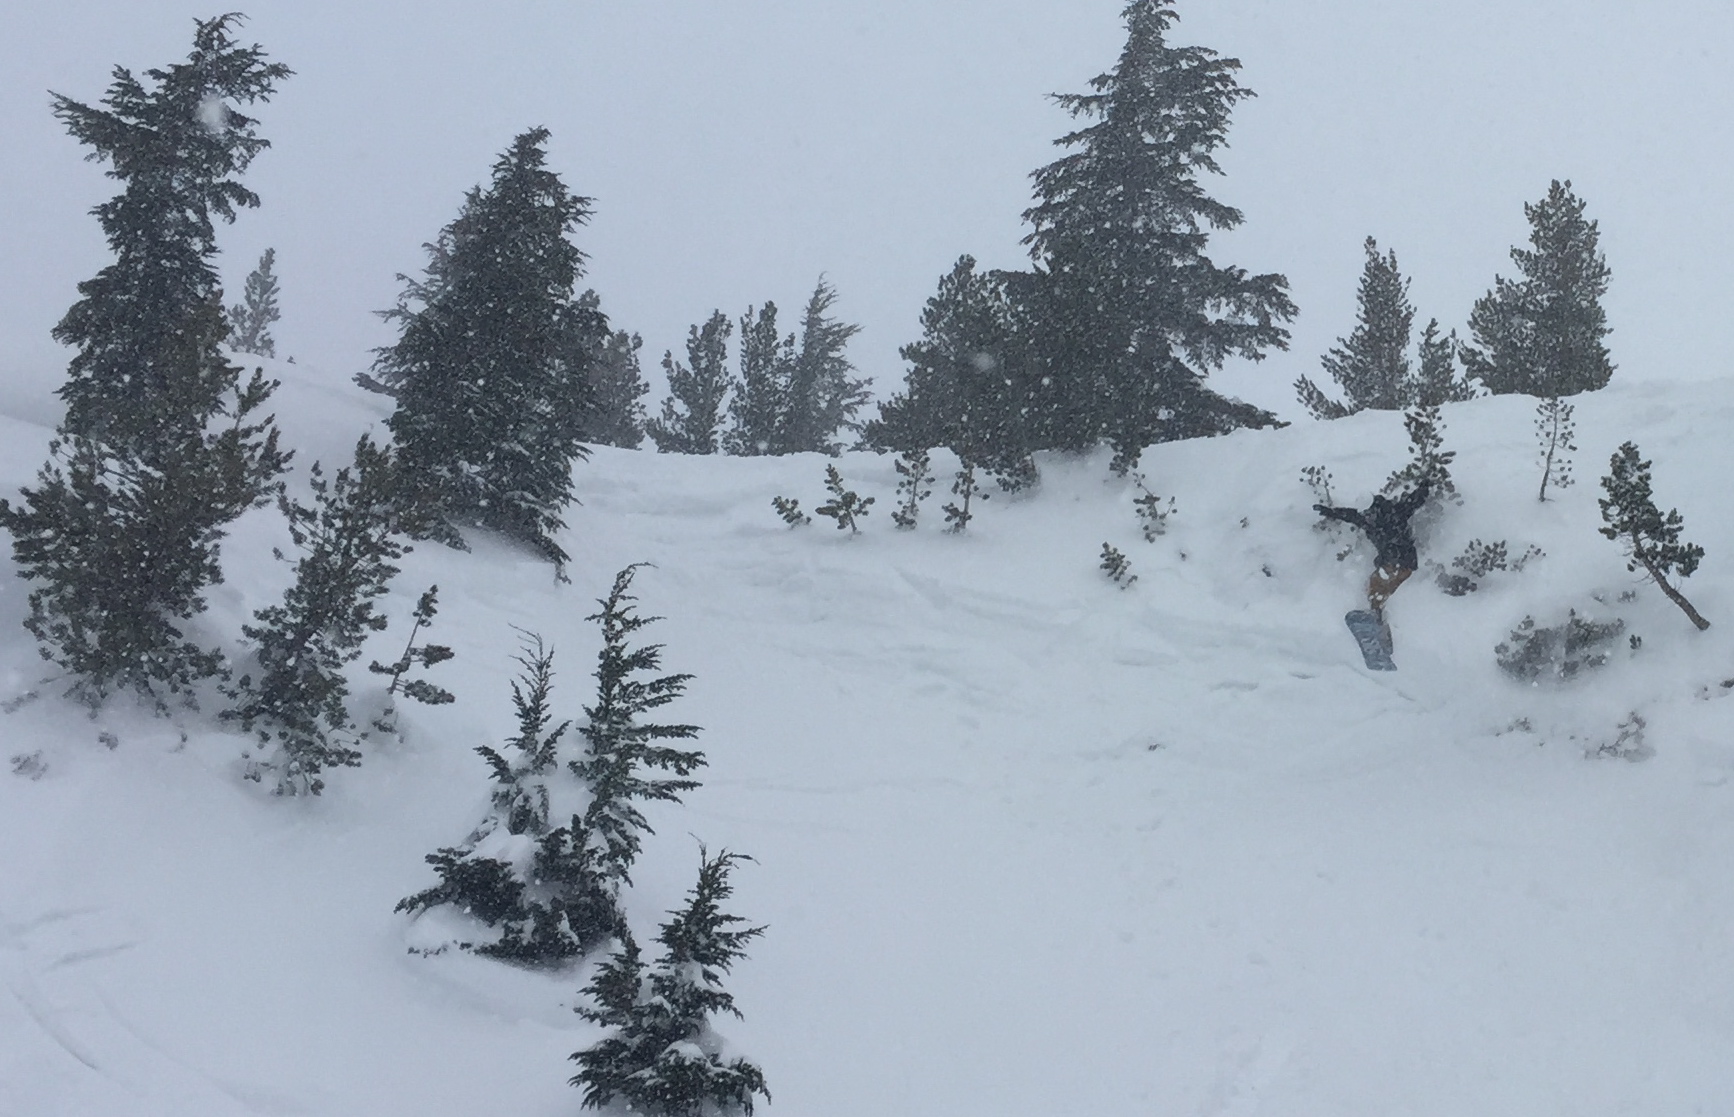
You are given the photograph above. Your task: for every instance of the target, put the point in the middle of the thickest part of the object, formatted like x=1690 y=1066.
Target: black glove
x=1321 y=509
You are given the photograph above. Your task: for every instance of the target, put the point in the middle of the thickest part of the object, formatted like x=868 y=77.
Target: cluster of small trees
x=545 y=873
x=790 y=394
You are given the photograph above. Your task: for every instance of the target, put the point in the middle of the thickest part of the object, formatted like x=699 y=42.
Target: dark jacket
x=1386 y=523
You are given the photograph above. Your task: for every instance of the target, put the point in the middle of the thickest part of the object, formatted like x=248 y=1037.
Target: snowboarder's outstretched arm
x=1414 y=498
x=1347 y=515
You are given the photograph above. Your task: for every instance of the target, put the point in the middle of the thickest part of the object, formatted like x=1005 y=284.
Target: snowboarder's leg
x=1383 y=584
x=1380 y=586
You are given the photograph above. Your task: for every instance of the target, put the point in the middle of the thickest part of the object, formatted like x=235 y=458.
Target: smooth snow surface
x=1028 y=845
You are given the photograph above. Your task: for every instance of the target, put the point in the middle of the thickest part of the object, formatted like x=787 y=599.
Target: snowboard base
x=1372 y=635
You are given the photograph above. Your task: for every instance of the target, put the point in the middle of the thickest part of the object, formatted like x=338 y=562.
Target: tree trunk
x=1675 y=596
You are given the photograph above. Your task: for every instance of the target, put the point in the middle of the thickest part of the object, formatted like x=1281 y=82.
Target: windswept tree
x=1131 y=313
x=795 y=395
x=162 y=444
x=1541 y=333
x=250 y=319
x=824 y=392
x=296 y=697
x=490 y=368
x=1650 y=538
x=693 y=410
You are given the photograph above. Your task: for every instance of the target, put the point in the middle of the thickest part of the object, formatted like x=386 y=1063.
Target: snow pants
x=1383 y=584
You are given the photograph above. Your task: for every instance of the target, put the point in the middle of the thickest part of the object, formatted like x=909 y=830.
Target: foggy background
x=736 y=151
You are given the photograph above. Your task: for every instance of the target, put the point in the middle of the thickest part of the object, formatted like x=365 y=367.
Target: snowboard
x=1372 y=635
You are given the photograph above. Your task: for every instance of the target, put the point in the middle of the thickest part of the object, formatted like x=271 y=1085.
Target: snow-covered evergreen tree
x=1130 y=313
x=693 y=410
x=296 y=699
x=250 y=319
x=162 y=444
x=662 y=1057
x=540 y=887
x=1651 y=539
x=622 y=751
x=489 y=368
x=1541 y=334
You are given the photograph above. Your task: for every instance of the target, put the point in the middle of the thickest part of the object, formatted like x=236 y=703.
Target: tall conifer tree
x=161 y=444
x=1371 y=366
x=693 y=410
x=1541 y=334
x=759 y=409
x=490 y=364
x=824 y=393
x=1133 y=315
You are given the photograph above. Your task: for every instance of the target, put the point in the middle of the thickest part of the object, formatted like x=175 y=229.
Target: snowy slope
x=1028 y=845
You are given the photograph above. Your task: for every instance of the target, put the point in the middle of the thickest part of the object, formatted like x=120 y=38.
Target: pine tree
x=1129 y=314
x=1436 y=378
x=1117 y=566
x=250 y=319
x=662 y=1056
x=617 y=388
x=912 y=469
x=824 y=394
x=540 y=887
x=1429 y=460
x=621 y=751
x=427 y=655
x=846 y=506
x=1651 y=540
x=759 y=409
x=426 y=607
x=162 y=444
x=149 y=372
x=297 y=699
x=1541 y=334
x=693 y=409
x=957 y=516
x=1554 y=429
x=490 y=364
x=120 y=552
x=1371 y=366
x=967 y=383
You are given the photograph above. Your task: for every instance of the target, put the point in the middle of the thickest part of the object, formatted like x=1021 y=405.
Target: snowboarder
x=1386 y=523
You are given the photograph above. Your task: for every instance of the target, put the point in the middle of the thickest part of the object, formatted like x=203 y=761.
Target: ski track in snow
x=1027 y=844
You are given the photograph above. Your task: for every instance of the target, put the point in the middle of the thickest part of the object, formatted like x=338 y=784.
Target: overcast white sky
x=737 y=150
